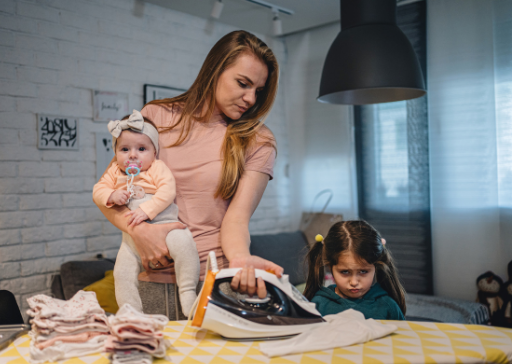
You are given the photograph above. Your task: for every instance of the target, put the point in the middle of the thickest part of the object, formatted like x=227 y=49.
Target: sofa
x=288 y=250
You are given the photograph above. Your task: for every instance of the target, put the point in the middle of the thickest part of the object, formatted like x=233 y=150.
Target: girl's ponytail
x=387 y=276
x=316 y=273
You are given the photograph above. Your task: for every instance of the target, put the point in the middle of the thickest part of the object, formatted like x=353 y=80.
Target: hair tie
x=319 y=238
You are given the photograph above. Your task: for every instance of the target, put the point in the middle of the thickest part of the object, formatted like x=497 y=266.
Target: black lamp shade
x=371 y=60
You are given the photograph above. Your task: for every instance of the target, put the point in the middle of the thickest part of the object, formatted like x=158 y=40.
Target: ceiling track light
x=277 y=26
x=217 y=9
x=272 y=7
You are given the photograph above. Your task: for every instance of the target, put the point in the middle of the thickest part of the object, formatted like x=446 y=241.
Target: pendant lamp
x=371 y=60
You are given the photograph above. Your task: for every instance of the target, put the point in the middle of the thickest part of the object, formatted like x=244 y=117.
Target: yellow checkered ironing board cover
x=414 y=342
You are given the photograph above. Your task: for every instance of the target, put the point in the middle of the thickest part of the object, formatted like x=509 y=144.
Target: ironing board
x=414 y=342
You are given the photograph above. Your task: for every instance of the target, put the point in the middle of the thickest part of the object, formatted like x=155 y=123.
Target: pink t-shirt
x=197 y=165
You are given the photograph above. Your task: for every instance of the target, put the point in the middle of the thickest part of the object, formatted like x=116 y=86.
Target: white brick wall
x=53 y=53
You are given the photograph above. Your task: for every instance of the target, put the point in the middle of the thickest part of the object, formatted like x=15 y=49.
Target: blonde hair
x=241 y=133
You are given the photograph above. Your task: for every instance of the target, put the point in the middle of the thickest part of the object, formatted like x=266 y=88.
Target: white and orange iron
x=284 y=312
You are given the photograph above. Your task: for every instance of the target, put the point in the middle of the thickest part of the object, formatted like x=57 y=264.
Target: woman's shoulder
x=264 y=134
x=264 y=142
x=163 y=115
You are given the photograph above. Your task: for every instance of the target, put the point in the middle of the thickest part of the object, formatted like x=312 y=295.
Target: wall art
x=155 y=92
x=57 y=132
x=109 y=105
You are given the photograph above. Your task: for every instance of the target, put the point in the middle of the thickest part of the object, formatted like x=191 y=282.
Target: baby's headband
x=135 y=123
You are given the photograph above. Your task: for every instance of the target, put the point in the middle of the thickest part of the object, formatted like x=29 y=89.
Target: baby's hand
x=136 y=217
x=119 y=197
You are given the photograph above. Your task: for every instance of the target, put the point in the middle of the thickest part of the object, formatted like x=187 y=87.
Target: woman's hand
x=149 y=240
x=245 y=282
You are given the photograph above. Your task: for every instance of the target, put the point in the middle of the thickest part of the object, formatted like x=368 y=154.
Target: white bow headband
x=135 y=123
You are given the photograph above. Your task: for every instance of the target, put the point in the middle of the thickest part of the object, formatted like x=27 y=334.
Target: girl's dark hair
x=364 y=242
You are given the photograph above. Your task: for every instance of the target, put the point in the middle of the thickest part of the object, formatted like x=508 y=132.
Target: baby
x=147 y=186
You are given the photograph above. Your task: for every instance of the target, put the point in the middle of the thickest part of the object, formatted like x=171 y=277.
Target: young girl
x=146 y=185
x=363 y=269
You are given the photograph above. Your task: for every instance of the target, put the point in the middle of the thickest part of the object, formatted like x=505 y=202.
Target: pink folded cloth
x=64 y=329
x=132 y=330
x=81 y=306
x=78 y=338
x=58 y=322
x=40 y=337
x=48 y=327
x=154 y=347
x=129 y=331
x=128 y=315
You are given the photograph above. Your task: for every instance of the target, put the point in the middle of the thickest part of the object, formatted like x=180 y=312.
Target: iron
x=284 y=312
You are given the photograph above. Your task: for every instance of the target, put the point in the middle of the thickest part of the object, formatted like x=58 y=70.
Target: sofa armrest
x=77 y=275
x=286 y=250
x=445 y=310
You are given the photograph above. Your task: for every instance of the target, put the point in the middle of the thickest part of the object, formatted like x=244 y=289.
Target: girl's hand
x=245 y=282
x=119 y=197
x=136 y=217
x=149 y=240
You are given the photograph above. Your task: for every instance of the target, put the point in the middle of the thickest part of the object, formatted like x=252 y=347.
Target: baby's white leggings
x=182 y=249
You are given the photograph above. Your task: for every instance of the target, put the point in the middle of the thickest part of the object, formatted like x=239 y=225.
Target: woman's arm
x=235 y=237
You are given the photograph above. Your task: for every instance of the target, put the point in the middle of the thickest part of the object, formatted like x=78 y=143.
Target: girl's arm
x=234 y=232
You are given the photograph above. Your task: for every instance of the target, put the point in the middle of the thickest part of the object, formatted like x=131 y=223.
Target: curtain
x=470 y=132
x=393 y=168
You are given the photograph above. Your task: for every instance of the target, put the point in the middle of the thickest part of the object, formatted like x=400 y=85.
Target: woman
x=222 y=158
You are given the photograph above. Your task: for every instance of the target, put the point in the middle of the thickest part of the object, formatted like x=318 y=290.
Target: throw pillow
x=105 y=292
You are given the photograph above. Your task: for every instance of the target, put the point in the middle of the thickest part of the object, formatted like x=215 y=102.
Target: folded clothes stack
x=64 y=329
x=136 y=337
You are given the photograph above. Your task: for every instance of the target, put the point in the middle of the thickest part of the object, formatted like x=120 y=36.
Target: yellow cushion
x=105 y=292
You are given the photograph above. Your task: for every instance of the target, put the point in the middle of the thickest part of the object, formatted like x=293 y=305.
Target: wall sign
x=110 y=105
x=57 y=132
x=104 y=153
x=154 y=92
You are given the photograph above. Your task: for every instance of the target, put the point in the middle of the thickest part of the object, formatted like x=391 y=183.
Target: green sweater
x=375 y=304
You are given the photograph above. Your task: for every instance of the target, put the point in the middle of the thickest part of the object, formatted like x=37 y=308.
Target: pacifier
x=132 y=168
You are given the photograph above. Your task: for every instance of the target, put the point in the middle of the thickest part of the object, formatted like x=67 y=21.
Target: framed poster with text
x=154 y=92
x=109 y=105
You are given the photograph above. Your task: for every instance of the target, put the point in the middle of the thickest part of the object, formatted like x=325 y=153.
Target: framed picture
x=109 y=105
x=154 y=92
x=57 y=132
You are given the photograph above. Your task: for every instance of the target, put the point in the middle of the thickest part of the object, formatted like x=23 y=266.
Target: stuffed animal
x=489 y=289
x=506 y=294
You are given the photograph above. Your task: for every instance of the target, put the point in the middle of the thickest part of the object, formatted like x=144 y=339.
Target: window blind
x=392 y=153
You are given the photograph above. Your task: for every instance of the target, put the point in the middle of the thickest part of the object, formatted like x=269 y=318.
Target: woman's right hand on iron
x=245 y=280
x=149 y=240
